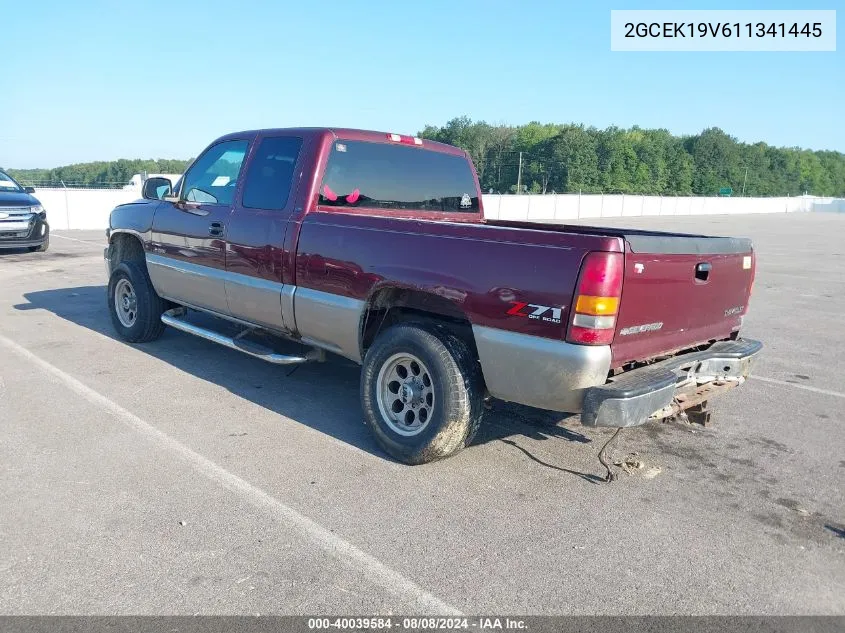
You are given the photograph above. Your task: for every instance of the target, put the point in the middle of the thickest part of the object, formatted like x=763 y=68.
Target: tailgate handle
x=702 y=271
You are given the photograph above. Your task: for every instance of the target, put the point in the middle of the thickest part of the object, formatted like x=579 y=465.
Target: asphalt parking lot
x=180 y=477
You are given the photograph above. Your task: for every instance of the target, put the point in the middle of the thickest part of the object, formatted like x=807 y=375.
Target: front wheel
x=134 y=306
x=422 y=393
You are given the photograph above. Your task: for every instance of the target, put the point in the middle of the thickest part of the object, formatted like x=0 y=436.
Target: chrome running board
x=172 y=318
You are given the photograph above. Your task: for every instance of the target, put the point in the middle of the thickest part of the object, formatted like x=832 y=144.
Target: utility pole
x=67 y=204
x=744 y=180
x=519 y=176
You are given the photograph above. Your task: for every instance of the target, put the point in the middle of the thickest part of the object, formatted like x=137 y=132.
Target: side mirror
x=29 y=189
x=156 y=188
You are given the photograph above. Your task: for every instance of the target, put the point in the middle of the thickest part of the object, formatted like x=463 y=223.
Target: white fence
x=539 y=208
x=82 y=208
x=90 y=208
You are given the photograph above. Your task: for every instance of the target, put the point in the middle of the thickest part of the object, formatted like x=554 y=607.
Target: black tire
x=147 y=325
x=42 y=248
x=456 y=385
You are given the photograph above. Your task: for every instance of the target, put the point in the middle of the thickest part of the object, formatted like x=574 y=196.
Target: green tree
x=717 y=162
x=679 y=168
x=572 y=159
x=616 y=160
x=557 y=157
x=113 y=173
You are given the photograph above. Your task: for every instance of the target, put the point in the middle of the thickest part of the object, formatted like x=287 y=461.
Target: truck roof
x=348 y=134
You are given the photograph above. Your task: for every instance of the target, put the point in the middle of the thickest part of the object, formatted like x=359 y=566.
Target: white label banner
x=728 y=30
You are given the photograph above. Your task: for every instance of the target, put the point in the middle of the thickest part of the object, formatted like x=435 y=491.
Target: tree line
x=571 y=158
x=99 y=173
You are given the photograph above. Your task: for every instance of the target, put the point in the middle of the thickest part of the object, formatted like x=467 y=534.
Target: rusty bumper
x=670 y=386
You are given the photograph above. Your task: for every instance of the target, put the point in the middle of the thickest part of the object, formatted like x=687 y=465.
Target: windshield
x=7 y=183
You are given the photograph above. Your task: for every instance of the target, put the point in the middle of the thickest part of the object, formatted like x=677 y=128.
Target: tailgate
x=679 y=291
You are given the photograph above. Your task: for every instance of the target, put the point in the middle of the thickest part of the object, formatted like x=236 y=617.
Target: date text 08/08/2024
x=416 y=623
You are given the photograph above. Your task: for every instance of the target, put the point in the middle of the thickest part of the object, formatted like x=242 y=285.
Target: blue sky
x=92 y=80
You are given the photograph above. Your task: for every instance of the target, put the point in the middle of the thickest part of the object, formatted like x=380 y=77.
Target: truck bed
x=679 y=290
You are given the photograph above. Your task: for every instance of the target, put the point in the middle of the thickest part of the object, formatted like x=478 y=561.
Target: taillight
x=596 y=300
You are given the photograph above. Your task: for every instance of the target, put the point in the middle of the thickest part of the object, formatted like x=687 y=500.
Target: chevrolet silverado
x=374 y=246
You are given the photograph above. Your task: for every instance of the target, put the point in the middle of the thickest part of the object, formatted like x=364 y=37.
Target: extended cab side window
x=214 y=177
x=269 y=178
x=391 y=176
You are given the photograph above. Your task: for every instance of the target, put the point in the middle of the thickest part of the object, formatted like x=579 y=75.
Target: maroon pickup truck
x=374 y=246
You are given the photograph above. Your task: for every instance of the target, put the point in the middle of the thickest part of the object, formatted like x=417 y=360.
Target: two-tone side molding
x=174 y=318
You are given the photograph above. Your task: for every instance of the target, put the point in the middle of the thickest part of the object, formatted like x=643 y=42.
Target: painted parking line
x=784 y=383
x=76 y=239
x=373 y=569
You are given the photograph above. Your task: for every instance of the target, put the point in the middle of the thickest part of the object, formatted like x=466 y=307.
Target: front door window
x=214 y=177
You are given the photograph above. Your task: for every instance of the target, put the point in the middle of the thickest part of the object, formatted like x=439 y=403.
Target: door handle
x=216 y=229
x=702 y=271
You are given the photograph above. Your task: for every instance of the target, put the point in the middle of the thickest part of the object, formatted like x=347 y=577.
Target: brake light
x=407 y=140
x=596 y=299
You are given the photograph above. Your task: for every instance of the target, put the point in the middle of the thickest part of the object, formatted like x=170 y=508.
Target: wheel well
x=125 y=247
x=389 y=306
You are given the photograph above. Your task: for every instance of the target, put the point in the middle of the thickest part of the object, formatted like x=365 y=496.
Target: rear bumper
x=660 y=389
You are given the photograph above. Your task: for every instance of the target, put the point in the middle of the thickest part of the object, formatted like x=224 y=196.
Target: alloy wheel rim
x=125 y=303
x=405 y=394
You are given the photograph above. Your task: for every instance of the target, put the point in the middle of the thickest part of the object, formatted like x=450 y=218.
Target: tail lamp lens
x=597 y=299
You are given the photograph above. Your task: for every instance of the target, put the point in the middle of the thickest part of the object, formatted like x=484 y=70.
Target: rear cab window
x=388 y=176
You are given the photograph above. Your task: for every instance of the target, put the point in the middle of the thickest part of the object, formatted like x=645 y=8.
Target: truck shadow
x=322 y=396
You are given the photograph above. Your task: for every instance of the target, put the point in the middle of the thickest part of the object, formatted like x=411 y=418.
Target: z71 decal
x=534 y=311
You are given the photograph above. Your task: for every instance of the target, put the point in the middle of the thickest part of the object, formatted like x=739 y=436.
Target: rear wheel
x=422 y=393
x=134 y=306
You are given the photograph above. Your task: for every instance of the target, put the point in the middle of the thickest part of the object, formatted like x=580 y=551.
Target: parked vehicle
x=23 y=221
x=374 y=246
